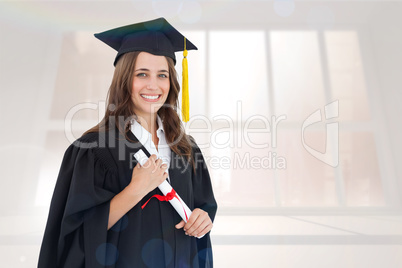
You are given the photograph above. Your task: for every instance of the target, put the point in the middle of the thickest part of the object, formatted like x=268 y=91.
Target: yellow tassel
x=185 y=101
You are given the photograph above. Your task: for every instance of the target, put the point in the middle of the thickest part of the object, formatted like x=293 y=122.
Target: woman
x=98 y=216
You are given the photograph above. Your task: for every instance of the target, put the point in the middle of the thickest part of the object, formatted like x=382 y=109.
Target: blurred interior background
x=290 y=194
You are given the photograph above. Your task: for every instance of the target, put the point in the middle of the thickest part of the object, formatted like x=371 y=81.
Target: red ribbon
x=167 y=197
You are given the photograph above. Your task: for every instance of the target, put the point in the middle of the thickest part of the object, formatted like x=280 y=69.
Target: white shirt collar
x=145 y=138
x=160 y=127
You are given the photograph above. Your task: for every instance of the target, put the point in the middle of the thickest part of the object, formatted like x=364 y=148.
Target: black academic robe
x=97 y=167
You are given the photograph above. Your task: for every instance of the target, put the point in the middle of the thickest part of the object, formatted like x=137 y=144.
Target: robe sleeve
x=76 y=230
x=205 y=200
x=203 y=193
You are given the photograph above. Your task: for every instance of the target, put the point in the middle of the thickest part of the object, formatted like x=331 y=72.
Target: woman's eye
x=141 y=75
x=163 y=76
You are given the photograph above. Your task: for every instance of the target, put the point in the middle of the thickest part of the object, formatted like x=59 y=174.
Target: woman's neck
x=149 y=123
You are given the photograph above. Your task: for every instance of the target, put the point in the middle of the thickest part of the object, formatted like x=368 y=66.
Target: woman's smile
x=150 y=97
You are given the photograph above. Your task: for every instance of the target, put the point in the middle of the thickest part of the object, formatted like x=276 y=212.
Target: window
x=248 y=104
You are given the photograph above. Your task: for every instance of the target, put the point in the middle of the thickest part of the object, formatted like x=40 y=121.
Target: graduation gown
x=95 y=168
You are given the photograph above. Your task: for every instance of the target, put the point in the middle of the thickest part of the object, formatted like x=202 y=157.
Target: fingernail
x=186 y=233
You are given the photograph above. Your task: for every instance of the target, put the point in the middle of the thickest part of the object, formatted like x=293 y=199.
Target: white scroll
x=177 y=203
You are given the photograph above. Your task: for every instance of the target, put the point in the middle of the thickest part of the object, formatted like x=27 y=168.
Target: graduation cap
x=157 y=37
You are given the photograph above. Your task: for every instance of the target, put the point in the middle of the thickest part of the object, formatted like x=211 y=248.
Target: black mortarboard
x=157 y=37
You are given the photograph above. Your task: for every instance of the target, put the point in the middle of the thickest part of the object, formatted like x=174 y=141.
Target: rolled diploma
x=166 y=188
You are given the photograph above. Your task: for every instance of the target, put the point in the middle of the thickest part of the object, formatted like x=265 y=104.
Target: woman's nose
x=152 y=83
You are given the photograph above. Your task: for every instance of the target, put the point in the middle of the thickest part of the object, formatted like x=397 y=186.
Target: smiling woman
x=98 y=216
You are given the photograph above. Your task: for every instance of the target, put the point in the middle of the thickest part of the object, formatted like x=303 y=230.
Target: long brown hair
x=120 y=107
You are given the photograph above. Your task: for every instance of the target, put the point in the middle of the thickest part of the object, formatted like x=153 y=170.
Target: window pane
x=237 y=72
x=306 y=181
x=242 y=176
x=360 y=169
x=346 y=75
x=297 y=74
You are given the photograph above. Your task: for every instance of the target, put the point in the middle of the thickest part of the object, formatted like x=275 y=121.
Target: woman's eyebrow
x=147 y=70
x=142 y=69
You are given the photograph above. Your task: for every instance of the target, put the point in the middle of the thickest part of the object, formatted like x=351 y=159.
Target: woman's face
x=150 y=84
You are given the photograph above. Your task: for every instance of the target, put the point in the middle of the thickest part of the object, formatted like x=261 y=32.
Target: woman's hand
x=143 y=180
x=198 y=225
x=146 y=178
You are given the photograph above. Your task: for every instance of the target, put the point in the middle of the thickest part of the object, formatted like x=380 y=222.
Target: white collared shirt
x=163 y=152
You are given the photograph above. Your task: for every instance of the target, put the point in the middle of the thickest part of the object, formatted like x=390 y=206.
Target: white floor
x=300 y=256
x=308 y=241
x=257 y=241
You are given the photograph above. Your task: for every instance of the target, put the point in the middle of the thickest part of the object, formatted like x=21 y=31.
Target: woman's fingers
x=158 y=164
x=199 y=223
x=180 y=225
x=204 y=228
x=150 y=175
x=194 y=225
x=150 y=162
